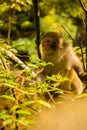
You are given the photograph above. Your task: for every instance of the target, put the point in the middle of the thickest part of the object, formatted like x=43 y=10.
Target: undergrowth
x=22 y=97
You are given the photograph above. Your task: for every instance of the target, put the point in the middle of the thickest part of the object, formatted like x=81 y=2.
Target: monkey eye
x=53 y=45
x=47 y=41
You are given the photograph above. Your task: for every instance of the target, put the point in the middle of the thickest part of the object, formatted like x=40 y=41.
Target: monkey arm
x=71 y=60
x=79 y=68
x=75 y=61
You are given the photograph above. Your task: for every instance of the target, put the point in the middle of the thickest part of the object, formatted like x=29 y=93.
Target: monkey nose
x=47 y=46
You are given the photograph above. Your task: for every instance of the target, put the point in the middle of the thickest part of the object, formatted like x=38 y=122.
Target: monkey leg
x=76 y=85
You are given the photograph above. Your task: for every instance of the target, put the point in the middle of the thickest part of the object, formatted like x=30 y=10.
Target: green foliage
x=61 y=7
x=21 y=96
x=81 y=96
x=55 y=22
x=7 y=97
x=50 y=23
x=25 y=45
x=53 y=14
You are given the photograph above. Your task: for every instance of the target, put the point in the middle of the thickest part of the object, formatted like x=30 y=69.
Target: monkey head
x=51 y=41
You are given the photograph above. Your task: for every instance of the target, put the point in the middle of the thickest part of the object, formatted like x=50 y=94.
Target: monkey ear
x=61 y=41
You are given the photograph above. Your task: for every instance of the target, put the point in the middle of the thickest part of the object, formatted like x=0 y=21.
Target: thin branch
x=4 y=63
x=69 y=34
x=37 y=25
x=82 y=5
x=16 y=59
x=9 y=24
x=9 y=29
x=75 y=43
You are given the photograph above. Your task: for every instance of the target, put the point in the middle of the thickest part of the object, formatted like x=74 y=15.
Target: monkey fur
x=65 y=62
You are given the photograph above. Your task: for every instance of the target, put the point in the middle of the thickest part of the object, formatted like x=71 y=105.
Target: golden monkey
x=65 y=62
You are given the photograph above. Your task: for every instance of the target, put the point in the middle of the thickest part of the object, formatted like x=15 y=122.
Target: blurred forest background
x=17 y=18
x=20 y=97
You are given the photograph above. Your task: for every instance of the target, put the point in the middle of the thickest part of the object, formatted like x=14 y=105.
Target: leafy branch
x=16 y=59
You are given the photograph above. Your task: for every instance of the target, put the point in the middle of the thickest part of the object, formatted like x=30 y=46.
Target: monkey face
x=50 y=42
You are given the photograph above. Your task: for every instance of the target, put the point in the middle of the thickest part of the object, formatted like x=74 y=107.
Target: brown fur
x=65 y=62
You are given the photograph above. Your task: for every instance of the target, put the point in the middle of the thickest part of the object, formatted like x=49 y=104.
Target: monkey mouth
x=49 y=52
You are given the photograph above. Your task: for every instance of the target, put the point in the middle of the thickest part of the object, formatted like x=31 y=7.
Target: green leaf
x=8 y=85
x=15 y=108
x=8 y=97
x=3 y=115
x=81 y=95
x=23 y=112
x=7 y=122
x=28 y=103
x=43 y=63
x=44 y=103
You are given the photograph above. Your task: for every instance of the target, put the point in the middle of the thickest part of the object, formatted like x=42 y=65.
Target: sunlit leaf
x=5 y=116
x=28 y=103
x=8 y=85
x=44 y=103
x=80 y=96
x=8 y=97
x=14 y=108
x=24 y=112
x=7 y=122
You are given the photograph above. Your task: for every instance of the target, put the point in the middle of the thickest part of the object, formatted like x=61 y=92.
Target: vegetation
x=21 y=96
